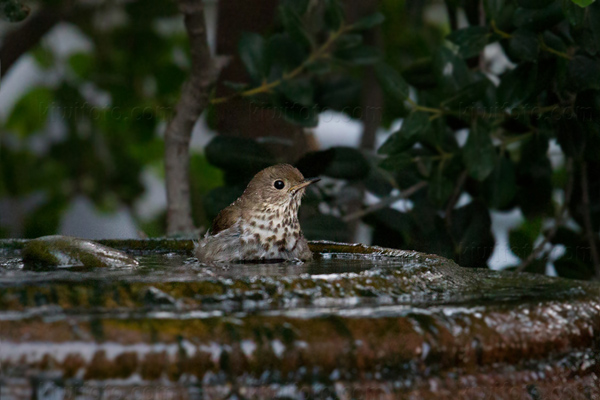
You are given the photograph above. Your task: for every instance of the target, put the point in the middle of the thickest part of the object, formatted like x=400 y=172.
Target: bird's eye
x=279 y=185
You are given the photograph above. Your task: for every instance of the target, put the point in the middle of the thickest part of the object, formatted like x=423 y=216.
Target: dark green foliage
x=471 y=40
x=467 y=129
x=337 y=162
x=325 y=227
x=417 y=123
x=479 y=153
x=550 y=94
x=99 y=151
x=238 y=157
x=13 y=10
x=505 y=157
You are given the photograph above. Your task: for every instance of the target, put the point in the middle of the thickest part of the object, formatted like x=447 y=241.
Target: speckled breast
x=271 y=233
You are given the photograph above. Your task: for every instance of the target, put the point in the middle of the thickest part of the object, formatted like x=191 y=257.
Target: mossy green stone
x=64 y=251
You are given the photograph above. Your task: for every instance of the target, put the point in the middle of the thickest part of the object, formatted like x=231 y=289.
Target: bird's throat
x=274 y=227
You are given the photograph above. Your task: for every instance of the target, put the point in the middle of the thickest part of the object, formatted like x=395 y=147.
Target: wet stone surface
x=356 y=322
x=54 y=252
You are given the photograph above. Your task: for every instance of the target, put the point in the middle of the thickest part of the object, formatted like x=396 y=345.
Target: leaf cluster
x=483 y=140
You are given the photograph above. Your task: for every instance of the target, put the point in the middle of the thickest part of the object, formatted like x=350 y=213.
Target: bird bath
x=357 y=322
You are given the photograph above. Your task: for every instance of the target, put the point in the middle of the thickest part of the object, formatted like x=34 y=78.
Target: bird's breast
x=270 y=234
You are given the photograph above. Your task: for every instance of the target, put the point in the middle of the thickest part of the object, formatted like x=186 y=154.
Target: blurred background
x=465 y=128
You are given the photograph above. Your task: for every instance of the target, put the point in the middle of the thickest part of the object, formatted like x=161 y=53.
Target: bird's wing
x=226 y=219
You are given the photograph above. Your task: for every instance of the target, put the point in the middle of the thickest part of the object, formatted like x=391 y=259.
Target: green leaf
x=479 y=153
x=237 y=86
x=440 y=136
x=396 y=162
x=451 y=71
x=407 y=136
x=298 y=6
x=471 y=40
x=238 y=154
x=339 y=93
x=517 y=85
x=379 y=182
x=283 y=54
x=440 y=187
x=43 y=56
x=334 y=14
x=349 y=41
x=500 y=11
x=347 y=163
x=575 y=263
x=468 y=96
x=538 y=20
x=534 y=177
x=500 y=187
x=252 y=53
x=522 y=239
x=584 y=73
x=525 y=45
x=574 y=268
x=326 y=227
x=471 y=232
x=337 y=162
x=299 y=91
x=391 y=228
x=574 y=14
x=294 y=26
x=583 y=3
x=298 y=114
x=31 y=112
x=534 y=4
x=81 y=64
x=318 y=67
x=392 y=82
x=368 y=22
x=363 y=55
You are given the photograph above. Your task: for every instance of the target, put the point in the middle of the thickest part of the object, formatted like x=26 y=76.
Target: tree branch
x=385 y=202
x=560 y=217
x=194 y=99
x=589 y=232
x=19 y=41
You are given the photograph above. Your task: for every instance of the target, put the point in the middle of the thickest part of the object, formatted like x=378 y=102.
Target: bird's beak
x=304 y=184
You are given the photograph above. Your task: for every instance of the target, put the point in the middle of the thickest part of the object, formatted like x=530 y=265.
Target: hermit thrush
x=262 y=224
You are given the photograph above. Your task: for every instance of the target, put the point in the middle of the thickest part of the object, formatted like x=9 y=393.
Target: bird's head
x=278 y=185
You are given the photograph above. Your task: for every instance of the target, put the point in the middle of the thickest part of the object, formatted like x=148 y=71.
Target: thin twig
x=589 y=232
x=502 y=34
x=543 y=45
x=550 y=50
x=385 y=202
x=560 y=217
x=266 y=87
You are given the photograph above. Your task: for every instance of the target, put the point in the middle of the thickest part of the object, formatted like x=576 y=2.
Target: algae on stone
x=64 y=251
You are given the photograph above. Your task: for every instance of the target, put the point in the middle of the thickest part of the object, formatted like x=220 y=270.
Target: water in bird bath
x=354 y=320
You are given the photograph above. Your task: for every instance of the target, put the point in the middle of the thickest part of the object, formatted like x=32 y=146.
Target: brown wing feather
x=226 y=218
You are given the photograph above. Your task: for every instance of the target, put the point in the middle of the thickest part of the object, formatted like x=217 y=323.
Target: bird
x=262 y=224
